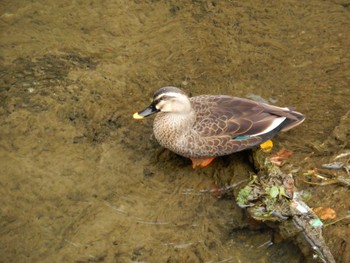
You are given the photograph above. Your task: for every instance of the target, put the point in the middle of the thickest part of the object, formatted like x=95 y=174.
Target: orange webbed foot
x=266 y=146
x=201 y=162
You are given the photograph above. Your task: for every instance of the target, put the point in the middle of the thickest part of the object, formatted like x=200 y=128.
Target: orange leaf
x=325 y=212
x=280 y=156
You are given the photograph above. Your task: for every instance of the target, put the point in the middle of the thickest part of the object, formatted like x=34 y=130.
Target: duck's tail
x=293 y=119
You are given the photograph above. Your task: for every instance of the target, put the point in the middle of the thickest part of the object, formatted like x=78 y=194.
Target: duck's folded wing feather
x=234 y=117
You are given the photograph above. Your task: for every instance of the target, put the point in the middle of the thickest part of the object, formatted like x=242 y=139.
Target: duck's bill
x=144 y=113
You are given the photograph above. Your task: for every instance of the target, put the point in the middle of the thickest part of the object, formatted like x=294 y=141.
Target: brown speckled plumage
x=216 y=125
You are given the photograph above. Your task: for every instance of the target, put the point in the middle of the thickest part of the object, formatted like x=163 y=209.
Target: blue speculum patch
x=241 y=137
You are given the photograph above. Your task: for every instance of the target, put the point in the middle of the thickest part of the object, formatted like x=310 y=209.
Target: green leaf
x=274 y=191
x=283 y=192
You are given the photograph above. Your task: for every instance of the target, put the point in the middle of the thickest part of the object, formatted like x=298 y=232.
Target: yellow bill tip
x=136 y=116
x=267 y=146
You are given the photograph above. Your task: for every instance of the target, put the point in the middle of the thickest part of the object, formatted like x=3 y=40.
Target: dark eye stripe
x=164 y=97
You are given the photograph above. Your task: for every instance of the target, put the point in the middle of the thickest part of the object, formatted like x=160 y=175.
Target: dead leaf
x=280 y=156
x=325 y=212
x=289 y=186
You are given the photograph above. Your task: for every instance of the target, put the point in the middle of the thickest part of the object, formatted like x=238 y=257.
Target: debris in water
x=335 y=165
x=325 y=213
x=342 y=155
x=280 y=156
x=272 y=196
x=316 y=223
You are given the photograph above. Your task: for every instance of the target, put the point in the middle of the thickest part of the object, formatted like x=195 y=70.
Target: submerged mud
x=81 y=181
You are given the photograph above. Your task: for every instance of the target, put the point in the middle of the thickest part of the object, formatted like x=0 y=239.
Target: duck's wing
x=222 y=116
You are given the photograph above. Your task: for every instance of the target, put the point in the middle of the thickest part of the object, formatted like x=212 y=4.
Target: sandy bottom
x=81 y=181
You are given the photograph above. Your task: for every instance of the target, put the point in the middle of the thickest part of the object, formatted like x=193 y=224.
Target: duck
x=204 y=127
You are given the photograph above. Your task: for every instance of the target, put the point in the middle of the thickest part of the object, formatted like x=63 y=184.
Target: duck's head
x=167 y=99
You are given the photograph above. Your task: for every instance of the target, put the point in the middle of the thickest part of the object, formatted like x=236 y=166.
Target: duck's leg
x=202 y=162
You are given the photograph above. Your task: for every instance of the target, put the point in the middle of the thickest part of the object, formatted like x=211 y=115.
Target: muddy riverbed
x=81 y=181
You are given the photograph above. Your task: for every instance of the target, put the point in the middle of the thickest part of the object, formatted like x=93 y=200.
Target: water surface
x=82 y=181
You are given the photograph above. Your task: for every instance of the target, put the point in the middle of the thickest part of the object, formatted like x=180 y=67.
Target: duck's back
x=227 y=124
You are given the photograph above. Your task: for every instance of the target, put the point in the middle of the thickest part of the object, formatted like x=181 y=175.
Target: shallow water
x=82 y=181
